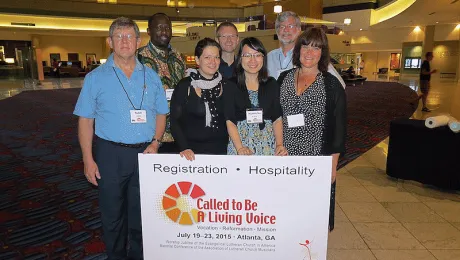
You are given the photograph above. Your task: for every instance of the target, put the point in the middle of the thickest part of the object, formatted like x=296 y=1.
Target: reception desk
x=429 y=156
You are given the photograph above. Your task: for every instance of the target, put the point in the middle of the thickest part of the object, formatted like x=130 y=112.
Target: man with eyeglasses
x=227 y=37
x=288 y=28
x=125 y=103
x=167 y=62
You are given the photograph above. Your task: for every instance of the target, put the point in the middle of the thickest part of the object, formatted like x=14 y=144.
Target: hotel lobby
x=49 y=210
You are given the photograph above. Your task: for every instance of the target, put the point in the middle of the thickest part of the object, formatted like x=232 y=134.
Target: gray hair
x=284 y=16
x=123 y=22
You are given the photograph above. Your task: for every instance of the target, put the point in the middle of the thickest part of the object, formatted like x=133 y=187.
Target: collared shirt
x=277 y=62
x=170 y=67
x=225 y=69
x=108 y=96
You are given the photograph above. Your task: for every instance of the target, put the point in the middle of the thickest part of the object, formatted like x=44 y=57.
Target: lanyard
x=143 y=91
x=279 y=59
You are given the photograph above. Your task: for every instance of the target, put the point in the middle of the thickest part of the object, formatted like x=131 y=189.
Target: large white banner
x=235 y=207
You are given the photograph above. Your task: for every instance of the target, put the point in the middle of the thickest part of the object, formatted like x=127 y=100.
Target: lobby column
x=428 y=41
x=458 y=65
x=106 y=51
x=38 y=57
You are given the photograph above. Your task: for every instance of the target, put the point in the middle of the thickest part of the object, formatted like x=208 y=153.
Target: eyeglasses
x=289 y=26
x=120 y=37
x=226 y=37
x=256 y=55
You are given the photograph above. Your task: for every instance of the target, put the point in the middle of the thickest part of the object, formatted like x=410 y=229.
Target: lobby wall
x=14 y=35
x=71 y=44
x=447 y=32
x=374 y=44
x=375 y=60
x=445 y=57
x=384 y=39
x=412 y=50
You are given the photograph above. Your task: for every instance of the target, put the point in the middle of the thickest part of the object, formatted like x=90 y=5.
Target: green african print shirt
x=170 y=66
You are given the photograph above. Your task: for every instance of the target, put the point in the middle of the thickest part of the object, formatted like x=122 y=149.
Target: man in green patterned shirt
x=167 y=62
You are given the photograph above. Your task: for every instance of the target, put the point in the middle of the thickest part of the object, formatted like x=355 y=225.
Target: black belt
x=138 y=145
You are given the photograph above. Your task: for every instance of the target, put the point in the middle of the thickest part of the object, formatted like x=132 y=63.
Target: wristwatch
x=156 y=140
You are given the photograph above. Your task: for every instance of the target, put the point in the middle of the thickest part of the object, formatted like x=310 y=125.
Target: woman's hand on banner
x=281 y=150
x=188 y=154
x=244 y=151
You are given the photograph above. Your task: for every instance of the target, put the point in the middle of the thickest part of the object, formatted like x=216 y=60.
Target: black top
x=188 y=118
x=226 y=70
x=237 y=101
x=329 y=116
x=425 y=68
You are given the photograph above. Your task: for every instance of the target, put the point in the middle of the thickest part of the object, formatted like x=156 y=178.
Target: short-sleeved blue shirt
x=277 y=62
x=104 y=99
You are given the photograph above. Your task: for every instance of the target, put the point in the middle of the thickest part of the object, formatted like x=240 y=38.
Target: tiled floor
x=382 y=218
x=11 y=87
x=377 y=217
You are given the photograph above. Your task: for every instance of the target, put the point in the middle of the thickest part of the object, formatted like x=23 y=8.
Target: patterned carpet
x=47 y=208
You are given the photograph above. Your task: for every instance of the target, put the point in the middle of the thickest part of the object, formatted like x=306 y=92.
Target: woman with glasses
x=314 y=104
x=197 y=105
x=253 y=108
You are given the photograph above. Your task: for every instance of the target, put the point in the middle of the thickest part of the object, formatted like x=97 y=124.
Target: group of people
x=241 y=100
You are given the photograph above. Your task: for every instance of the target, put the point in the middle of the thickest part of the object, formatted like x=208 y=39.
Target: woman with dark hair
x=314 y=105
x=197 y=108
x=253 y=109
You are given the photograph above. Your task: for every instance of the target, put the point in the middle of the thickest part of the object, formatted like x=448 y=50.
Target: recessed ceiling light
x=361 y=29
x=437 y=22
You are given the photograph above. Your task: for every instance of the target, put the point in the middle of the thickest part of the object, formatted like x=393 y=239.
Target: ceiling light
x=277 y=9
x=458 y=26
x=361 y=29
x=417 y=29
x=437 y=22
x=347 y=21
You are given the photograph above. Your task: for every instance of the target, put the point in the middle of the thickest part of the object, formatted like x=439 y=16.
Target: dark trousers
x=332 y=207
x=119 y=199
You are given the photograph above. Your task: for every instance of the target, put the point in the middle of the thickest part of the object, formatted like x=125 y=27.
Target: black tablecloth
x=430 y=156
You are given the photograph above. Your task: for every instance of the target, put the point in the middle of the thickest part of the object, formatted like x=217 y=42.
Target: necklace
x=300 y=89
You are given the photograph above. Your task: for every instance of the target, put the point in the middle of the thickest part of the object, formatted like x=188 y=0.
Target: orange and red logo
x=178 y=202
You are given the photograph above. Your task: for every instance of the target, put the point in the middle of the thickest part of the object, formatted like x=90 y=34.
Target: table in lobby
x=429 y=156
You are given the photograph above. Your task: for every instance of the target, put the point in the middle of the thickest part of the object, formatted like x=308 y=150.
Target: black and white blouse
x=323 y=106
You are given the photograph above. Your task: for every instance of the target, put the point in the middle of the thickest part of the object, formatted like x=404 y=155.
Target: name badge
x=296 y=120
x=169 y=93
x=254 y=115
x=138 y=116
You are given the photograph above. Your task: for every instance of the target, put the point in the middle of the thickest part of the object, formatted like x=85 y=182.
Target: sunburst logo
x=178 y=202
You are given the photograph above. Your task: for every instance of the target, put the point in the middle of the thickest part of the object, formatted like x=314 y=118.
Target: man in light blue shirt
x=125 y=103
x=288 y=28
